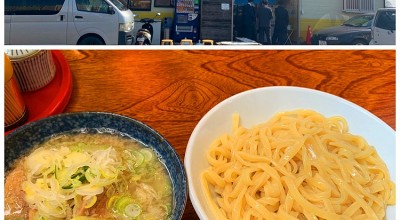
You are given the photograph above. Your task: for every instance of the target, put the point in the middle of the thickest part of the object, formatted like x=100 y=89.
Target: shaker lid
x=16 y=55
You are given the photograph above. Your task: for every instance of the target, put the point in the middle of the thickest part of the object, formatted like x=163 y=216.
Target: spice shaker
x=33 y=69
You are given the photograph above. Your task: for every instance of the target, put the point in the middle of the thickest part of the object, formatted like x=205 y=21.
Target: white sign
x=192 y=16
x=390 y=3
x=225 y=6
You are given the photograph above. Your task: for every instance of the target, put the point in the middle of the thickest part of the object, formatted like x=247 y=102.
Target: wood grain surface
x=170 y=90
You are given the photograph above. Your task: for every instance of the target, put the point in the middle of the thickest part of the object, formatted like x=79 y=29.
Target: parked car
x=87 y=22
x=355 y=31
x=383 y=29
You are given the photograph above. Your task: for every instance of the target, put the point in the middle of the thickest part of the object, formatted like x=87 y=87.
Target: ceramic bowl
x=257 y=106
x=24 y=138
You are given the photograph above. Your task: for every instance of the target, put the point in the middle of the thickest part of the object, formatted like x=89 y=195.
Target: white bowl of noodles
x=303 y=163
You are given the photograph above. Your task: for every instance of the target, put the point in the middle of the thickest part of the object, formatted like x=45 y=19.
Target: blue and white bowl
x=22 y=140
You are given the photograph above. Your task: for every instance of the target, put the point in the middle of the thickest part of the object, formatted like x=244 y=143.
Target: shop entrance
x=294 y=16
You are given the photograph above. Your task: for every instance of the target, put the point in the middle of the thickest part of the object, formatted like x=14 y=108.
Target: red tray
x=53 y=98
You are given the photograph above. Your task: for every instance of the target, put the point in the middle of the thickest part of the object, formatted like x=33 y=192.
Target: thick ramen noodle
x=297 y=165
x=89 y=176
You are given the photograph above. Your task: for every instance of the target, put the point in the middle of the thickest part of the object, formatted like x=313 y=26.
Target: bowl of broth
x=92 y=165
x=291 y=153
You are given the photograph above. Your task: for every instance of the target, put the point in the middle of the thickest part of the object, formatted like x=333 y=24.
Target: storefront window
x=142 y=5
x=163 y=3
x=358 y=6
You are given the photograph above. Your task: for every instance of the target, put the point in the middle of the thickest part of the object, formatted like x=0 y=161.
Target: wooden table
x=171 y=90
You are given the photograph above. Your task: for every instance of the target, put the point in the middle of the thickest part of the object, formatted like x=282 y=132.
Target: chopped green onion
x=120 y=203
x=111 y=201
x=67 y=187
x=139 y=158
x=124 y=206
x=133 y=210
x=148 y=154
x=91 y=200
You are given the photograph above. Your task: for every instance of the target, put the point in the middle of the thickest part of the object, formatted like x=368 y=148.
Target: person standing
x=264 y=15
x=249 y=20
x=281 y=23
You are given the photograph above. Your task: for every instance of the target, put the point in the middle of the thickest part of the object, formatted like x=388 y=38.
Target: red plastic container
x=54 y=97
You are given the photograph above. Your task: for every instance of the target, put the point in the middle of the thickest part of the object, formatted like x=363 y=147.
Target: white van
x=82 y=22
x=383 y=29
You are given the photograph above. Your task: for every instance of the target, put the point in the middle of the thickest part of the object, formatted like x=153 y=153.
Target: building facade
x=320 y=14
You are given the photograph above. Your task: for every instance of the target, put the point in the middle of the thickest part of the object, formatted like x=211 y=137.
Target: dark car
x=355 y=31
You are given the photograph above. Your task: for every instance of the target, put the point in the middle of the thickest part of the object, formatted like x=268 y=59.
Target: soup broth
x=83 y=175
